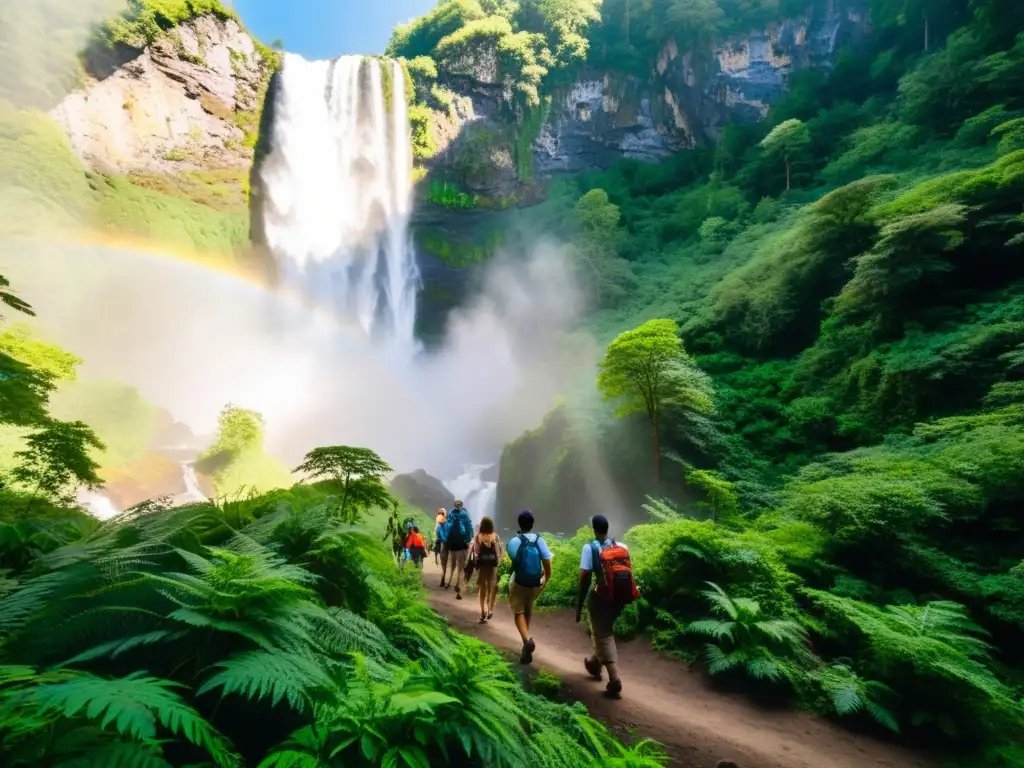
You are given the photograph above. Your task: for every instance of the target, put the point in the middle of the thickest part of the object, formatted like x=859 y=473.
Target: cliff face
x=188 y=102
x=687 y=99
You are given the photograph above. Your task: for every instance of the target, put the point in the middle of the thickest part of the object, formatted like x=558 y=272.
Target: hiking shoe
x=443 y=585
x=483 y=618
x=593 y=667
x=614 y=689
x=490 y=615
x=528 y=648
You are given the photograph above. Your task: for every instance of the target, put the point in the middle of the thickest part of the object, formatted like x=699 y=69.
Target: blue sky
x=323 y=29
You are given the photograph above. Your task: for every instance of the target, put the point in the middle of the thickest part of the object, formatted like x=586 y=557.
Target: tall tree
x=597 y=248
x=358 y=473
x=787 y=141
x=57 y=458
x=646 y=370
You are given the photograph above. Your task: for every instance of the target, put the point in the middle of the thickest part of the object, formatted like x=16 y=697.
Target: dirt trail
x=662 y=699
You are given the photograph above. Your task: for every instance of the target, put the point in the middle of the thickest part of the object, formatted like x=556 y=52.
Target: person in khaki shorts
x=531 y=570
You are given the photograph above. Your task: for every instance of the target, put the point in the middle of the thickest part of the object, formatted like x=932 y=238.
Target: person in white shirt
x=602 y=612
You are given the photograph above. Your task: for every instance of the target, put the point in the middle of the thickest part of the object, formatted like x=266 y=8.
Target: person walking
x=614 y=589
x=531 y=571
x=486 y=551
x=416 y=547
x=439 y=520
x=456 y=533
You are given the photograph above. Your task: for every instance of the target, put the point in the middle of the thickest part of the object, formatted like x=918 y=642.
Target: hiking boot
x=458 y=593
x=614 y=689
x=528 y=648
x=483 y=618
x=593 y=667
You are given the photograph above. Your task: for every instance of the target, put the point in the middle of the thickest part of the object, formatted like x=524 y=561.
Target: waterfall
x=479 y=495
x=192 y=490
x=338 y=191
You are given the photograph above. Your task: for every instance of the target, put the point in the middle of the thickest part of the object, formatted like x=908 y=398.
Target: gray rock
x=173 y=106
x=422 y=490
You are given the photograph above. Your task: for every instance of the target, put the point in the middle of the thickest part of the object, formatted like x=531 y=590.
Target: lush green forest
x=827 y=310
x=844 y=279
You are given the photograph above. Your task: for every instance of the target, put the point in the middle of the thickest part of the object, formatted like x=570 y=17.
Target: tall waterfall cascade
x=338 y=191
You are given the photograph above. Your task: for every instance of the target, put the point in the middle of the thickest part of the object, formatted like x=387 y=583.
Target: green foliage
x=146 y=20
x=57 y=458
x=938 y=647
x=237 y=459
x=272 y=632
x=762 y=647
x=358 y=473
x=849 y=694
x=647 y=371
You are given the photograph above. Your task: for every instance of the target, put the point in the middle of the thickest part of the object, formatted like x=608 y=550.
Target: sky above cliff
x=323 y=29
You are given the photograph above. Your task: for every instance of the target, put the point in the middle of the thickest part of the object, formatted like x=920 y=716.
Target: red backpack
x=615 y=582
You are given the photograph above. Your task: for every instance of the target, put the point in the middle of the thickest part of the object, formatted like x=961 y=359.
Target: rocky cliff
x=188 y=102
x=686 y=99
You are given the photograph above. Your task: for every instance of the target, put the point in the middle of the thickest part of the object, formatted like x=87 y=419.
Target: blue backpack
x=527 y=565
x=461 y=531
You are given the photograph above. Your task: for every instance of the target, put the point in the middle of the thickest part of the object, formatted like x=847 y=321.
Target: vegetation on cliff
x=44 y=185
x=848 y=273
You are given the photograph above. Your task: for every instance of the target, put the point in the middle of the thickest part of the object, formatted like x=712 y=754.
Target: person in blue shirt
x=531 y=571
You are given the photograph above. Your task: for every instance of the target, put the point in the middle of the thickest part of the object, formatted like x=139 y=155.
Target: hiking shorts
x=521 y=599
x=602 y=620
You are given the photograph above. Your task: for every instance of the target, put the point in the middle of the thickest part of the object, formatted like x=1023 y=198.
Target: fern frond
x=134 y=705
x=115 y=648
x=712 y=628
x=719 y=661
x=257 y=675
x=766 y=668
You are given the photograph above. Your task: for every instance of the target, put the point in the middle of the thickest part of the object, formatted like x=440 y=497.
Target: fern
x=134 y=706
x=277 y=676
x=849 y=694
x=766 y=649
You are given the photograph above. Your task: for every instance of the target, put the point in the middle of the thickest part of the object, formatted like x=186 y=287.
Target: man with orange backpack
x=614 y=589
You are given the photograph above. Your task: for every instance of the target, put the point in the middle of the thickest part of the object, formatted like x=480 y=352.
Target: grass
x=43 y=187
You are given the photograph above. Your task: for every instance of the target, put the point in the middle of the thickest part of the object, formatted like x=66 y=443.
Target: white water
x=102 y=508
x=338 y=191
x=479 y=496
x=192 y=491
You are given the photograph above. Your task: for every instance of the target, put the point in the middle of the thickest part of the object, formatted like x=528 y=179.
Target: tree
x=647 y=371
x=238 y=430
x=696 y=21
x=11 y=300
x=359 y=472
x=57 y=457
x=787 y=140
x=597 y=247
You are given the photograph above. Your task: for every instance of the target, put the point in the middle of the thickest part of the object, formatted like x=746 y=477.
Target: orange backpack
x=615 y=582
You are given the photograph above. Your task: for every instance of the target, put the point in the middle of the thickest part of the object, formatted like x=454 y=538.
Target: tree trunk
x=656 y=431
x=627 y=22
x=787 y=173
x=926 y=32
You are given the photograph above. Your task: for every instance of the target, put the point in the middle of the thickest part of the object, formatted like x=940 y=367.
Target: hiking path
x=664 y=699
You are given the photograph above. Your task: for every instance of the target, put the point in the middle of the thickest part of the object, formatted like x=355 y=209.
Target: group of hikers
x=603 y=561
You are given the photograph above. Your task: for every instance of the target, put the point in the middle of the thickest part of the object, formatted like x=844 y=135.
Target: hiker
x=614 y=589
x=394 y=530
x=456 y=534
x=439 y=519
x=486 y=552
x=531 y=570
x=416 y=547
